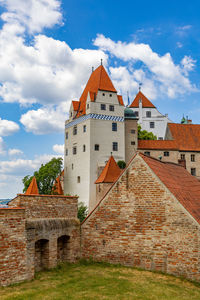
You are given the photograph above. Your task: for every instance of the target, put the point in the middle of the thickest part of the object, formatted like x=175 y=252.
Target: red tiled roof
x=120 y=99
x=75 y=105
x=145 y=101
x=99 y=80
x=110 y=172
x=33 y=188
x=186 y=137
x=184 y=186
x=57 y=188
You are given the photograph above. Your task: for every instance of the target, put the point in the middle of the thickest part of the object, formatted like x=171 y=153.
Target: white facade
x=152 y=120
x=89 y=142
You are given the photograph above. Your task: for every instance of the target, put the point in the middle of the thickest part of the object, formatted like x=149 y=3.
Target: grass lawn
x=101 y=281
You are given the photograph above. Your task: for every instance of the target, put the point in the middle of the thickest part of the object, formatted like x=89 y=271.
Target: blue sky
x=47 y=50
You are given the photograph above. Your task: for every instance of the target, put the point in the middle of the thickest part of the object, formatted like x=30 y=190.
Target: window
x=75 y=130
x=166 y=153
x=74 y=150
x=136 y=113
x=152 y=125
x=193 y=171
x=147 y=153
x=66 y=135
x=71 y=114
x=66 y=152
x=182 y=156
x=96 y=147
x=192 y=157
x=78 y=179
x=111 y=108
x=84 y=148
x=103 y=94
x=103 y=107
x=114 y=126
x=132 y=143
x=133 y=131
x=148 y=114
x=84 y=128
x=88 y=106
x=110 y=95
x=115 y=146
x=72 y=166
x=160 y=138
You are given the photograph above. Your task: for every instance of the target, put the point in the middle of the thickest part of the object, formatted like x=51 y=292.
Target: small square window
x=103 y=94
x=66 y=135
x=84 y=128
x=193 y=171
x=103 y=107
x=132 y=143
x=84 y=148
x=147 y=153
x=192 y=157
x=74 y=130
x=111 y=107
x=182 y=156
x=96 y=147
x=166 y=153
x=148 y=114
x=152 y=125
x=78 y=179
x=74 y=150
x=110 y=95
x=115 y=146
x=66 y=152
x=133 y=131
x=114 y=126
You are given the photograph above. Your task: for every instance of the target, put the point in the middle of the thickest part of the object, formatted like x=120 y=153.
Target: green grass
x=101 y=281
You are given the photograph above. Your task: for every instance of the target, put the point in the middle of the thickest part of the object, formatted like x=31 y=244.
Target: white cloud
x=58 y=149
x=34 y=15
x=2 y=147
x=159 y=69
x=14 y=152
x=8 y=127
x=188 y=63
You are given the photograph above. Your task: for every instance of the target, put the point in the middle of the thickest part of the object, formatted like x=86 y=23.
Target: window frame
x=152 y=124
x=74 y=150
x=148 y=114
x=166 y=153
x=96 y=147
x=111 y=107
x=192 y=157
x=75 y=130
x=193 y=171
x=114 y=126
x=103 y=106
x=115 y=146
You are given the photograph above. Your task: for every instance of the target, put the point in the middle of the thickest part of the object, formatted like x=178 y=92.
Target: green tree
x=82 y=211
x=45 y=176
x=145 y=135
x=121 y=164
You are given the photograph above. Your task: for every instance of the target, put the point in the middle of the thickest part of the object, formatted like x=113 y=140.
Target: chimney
x=182 y=162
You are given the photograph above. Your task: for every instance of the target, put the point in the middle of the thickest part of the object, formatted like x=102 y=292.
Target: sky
x=48 y=49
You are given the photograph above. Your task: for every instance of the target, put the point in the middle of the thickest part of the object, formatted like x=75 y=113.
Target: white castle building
x=150 y=118
x=99 y=124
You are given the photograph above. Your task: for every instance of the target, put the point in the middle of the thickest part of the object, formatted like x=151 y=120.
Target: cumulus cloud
x=2 y=147
x=14 y=152
x=188 y=63
x=8 y=127
x=159 y=69
x=34 y=15
x=58 y=149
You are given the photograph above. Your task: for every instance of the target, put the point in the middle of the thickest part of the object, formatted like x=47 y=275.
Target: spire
x=140 y=86
x=57 y=188
x=33 y=188
x=110 y=172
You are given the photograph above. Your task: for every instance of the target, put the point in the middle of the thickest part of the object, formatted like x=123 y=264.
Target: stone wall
x=13 y=254
x=46 y=206
x=140 y=223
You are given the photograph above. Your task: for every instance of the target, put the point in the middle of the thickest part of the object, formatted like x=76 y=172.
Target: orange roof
x=75 y=105
x=110 y=172
x=57 y=188
x=33 y=188
x=120 y=99
x=99 y=80
x=186 y=137
x=184 y=186
x=145 y=101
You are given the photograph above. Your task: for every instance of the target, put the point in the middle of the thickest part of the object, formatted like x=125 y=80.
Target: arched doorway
x=63 y=248
x=41 y=254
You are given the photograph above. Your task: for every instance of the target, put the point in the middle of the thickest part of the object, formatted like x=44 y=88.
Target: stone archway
x=63 y=248
x=41 y=254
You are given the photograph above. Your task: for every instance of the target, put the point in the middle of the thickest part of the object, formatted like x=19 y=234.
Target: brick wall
x=140 y=223
x=13 y=256
x=47 y=206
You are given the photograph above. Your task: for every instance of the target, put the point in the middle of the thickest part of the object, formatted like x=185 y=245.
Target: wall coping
x=39 y=195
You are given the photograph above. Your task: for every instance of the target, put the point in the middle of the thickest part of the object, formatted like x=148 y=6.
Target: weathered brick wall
x=140 y=223
x=47 y=206
x=13 y=255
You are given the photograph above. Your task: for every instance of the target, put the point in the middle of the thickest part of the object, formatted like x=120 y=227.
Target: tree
x=82 y=211
x=45 y=176
x=145 y=135
x=121 y=164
